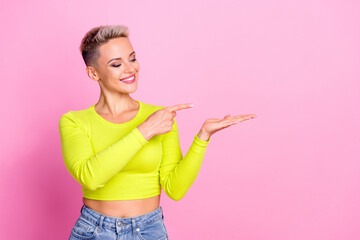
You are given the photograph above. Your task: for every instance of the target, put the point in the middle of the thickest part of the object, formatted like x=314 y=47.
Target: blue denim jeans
x=94 y=225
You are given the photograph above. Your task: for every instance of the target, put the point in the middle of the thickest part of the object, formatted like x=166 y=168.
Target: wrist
x=145 y=132
x=203 y=135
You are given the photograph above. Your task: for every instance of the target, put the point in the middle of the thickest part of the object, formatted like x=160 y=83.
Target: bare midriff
x=123 y=208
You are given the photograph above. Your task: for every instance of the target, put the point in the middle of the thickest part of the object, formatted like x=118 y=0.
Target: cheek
x=116 y=72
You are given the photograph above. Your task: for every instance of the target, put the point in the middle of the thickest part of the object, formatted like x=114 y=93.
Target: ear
x=92 y=73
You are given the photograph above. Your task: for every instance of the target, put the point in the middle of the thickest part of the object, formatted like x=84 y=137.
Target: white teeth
x=128 y=79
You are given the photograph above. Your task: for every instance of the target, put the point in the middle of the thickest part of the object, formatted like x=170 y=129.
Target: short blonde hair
x=98 y=36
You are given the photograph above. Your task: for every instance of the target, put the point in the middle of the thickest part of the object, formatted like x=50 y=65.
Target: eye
x=133 y=60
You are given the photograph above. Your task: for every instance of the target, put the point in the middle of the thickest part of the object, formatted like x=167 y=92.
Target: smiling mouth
x=130 y=78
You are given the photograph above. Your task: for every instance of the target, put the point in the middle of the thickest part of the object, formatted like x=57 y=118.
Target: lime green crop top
x=113 y=161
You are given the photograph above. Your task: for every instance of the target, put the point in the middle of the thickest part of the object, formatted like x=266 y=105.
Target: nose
x=129 y=67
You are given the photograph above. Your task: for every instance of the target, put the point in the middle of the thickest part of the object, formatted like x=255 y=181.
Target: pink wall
x=292 y=173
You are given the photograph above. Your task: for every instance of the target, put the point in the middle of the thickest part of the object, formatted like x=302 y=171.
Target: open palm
x=213 y=125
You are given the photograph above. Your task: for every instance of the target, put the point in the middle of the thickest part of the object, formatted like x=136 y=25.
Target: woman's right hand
x=161 y=121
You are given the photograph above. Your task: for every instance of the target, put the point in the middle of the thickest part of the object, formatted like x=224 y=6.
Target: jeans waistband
x=109 y=222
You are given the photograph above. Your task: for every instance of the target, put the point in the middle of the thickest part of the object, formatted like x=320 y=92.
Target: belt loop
x=133 y=226
x=82 y=208
x=101 y=220
x=162 y=213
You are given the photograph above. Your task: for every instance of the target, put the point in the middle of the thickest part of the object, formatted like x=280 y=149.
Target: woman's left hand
x=212 y=125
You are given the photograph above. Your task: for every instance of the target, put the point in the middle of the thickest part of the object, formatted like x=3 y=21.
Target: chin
x=131 y=90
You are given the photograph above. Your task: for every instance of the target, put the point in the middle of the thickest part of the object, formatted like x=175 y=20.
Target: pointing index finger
x=180 y=107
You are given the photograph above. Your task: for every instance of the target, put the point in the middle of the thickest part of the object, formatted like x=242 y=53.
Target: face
x=117 y=61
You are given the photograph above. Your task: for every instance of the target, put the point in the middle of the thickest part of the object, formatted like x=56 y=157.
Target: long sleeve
x=91 y=169
x=177 y=174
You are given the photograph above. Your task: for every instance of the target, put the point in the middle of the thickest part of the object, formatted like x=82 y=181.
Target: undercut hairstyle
x=98 y=36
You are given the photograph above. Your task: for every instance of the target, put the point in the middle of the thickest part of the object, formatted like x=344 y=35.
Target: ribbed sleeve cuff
x=139 y=136
x=201 y=142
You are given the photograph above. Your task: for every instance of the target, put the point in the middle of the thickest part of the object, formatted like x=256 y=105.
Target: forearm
x=180 y=180
x=93 y=170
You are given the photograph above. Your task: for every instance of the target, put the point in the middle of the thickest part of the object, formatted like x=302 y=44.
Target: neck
x=111 y=104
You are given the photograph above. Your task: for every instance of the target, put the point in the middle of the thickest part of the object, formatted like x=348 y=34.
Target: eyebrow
x=119 y=57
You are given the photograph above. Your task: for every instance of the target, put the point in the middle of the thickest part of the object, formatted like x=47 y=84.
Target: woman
x=123 y=151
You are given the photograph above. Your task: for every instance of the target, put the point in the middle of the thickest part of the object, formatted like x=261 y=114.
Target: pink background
x=292 y=173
